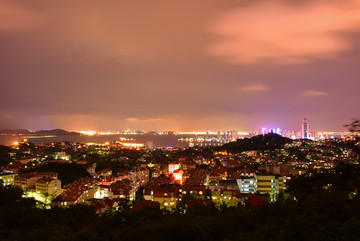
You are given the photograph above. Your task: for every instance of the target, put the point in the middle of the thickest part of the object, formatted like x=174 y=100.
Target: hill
x=259 y=143
x=55 y=132
x=14 y=131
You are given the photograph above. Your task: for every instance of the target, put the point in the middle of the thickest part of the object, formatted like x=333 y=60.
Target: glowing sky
x=184 y=65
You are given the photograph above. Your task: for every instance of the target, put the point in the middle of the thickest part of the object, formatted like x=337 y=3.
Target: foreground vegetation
x=321 y=207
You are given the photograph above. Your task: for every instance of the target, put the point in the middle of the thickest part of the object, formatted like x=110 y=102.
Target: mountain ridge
x=39 y=132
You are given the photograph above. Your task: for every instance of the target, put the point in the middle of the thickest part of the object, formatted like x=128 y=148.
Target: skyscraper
x=305 y=129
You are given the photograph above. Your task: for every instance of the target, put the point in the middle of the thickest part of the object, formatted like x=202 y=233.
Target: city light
x=88 y=133
x=132 y=145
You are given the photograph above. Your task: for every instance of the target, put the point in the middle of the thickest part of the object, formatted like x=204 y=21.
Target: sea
x=169 y=141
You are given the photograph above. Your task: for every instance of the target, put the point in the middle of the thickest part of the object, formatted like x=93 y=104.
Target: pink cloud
x=315 y=93
x=131 y=119
x=253 y=88
x=271 y=31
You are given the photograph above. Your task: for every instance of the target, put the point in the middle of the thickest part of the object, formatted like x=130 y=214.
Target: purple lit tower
x=305 y=129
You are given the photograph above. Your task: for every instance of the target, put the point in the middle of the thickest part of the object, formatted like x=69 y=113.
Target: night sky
x=179 y=65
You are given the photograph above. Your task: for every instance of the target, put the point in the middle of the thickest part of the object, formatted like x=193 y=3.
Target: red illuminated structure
x=178 y=176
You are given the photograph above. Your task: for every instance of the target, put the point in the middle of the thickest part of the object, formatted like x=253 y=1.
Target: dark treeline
x=67 y=172
x=4 y=155
x=321 y=207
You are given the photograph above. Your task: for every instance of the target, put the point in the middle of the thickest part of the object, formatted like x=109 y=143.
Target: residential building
x=230 y=198
x=76 y=194
x=47 y=186
x=271 y=184
x=8 y=178
x=172 y=166
x=103 y=173
x=247 y=184
x=27 y=181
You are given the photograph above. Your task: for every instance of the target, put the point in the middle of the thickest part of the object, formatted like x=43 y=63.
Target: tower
x=305 y=129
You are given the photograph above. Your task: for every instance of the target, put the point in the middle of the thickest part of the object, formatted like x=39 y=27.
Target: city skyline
x=218 y=65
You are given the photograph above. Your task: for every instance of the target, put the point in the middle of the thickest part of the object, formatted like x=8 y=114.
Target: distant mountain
x=57 y=132
x=261 y=142
x=14 y=131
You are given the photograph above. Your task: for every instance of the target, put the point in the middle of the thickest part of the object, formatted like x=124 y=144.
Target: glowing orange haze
x=178 y=65
x=272 y=31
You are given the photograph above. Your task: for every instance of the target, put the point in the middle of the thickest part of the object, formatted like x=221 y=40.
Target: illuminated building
x=155 y=173
x=187 y=165
x=173 y=166
x=250 y=153
x=230 y=198
x=27 y=181
x=218 y=174
x=149 y=145
x=149 y=164
x=103 y=192
x=47 y=186
x=132 y=145
x=283 y=169
x=166 y=195
x=178 y=176
x=122 y=189
x=247 y=184
x=61 y=155
x=8 y=178
x=139 y=175
x=26 y=160
x=75 y=194
x=197 y=191
x=103 y=173
x=305 y=129
x=271 y=184
x=167 y=200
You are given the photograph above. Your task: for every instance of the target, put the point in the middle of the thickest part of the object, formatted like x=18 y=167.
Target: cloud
x=279 y=33
x=9 y=120
x=16 y=18
x=315 y=93
x=253 y=88
x=152 y=120
x=132 y=119
x=97 y=64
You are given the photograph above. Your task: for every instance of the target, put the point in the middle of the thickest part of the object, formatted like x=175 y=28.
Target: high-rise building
x=305 y=129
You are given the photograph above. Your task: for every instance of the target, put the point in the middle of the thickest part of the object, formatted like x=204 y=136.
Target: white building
x=247 y=184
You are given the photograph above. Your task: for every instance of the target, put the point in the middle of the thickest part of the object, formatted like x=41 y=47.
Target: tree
x=184 y=200
x=139 y=195
x=146 y=205
x=4 y=155
x=354 y=126
x=208 y=196
x=68 y=172
x=126 y=205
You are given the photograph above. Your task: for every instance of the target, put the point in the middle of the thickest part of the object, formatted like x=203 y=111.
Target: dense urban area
x=160 y=120
x=267 y=187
